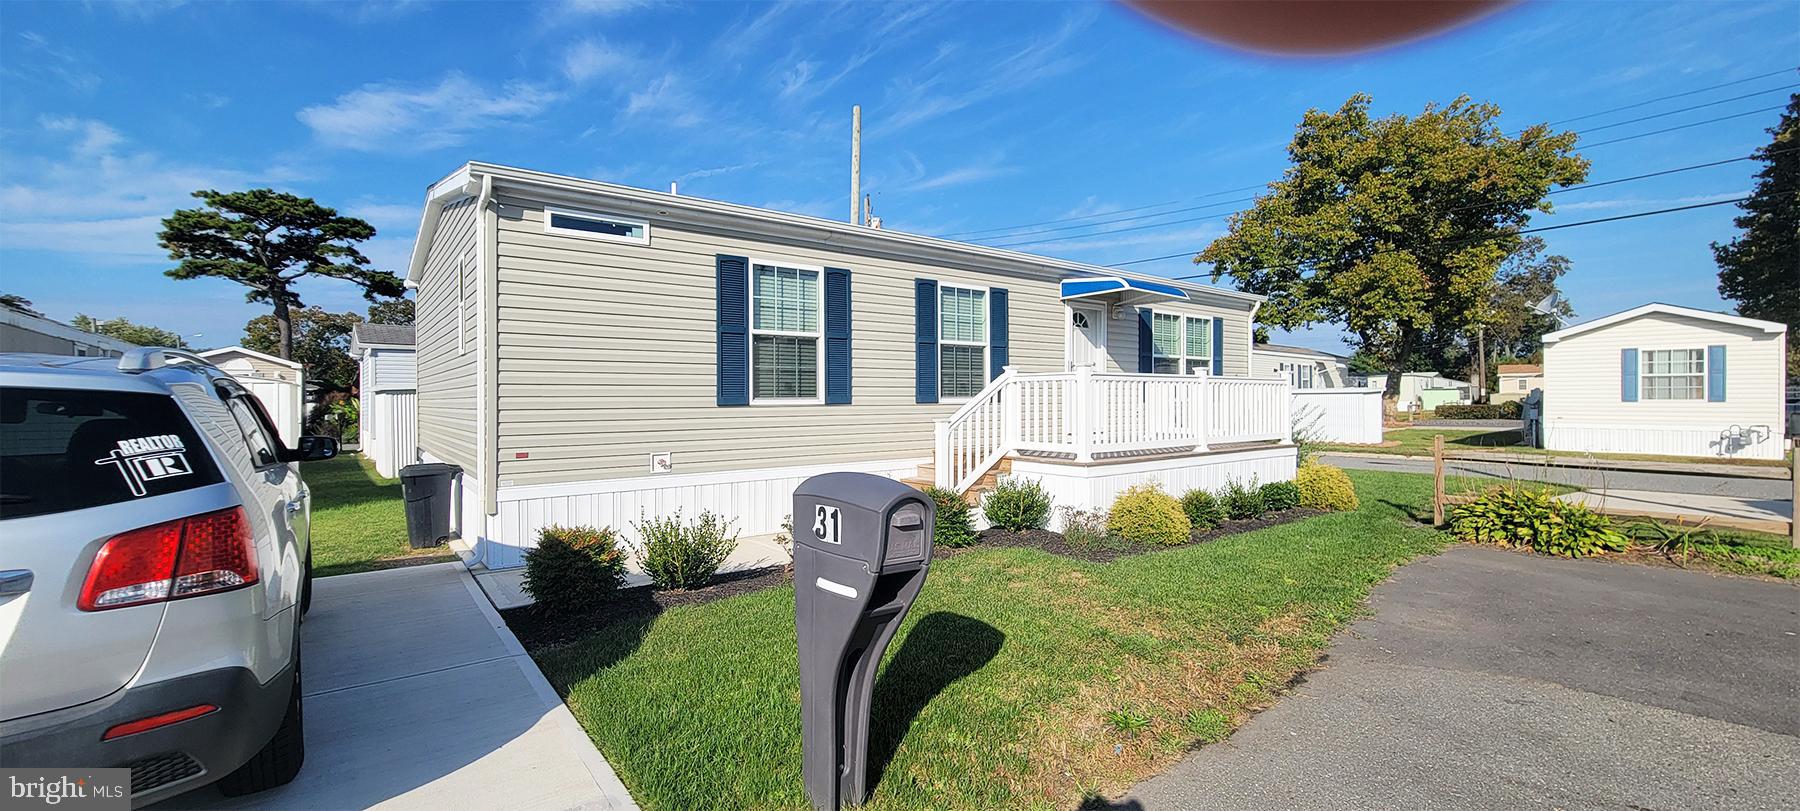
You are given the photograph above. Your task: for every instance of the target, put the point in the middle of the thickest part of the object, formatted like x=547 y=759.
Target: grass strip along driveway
x=1019 y=679
x=359 y=519
x=1470 y=443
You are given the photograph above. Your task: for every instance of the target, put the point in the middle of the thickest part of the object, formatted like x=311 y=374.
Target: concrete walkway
x=1492 y=679
x=1762 y=515
x=418 y=697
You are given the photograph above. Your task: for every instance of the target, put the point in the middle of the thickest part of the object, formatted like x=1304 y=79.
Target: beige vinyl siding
x=1582 y=378
x=390 y=370
x=447 y=304
x=1122 y=335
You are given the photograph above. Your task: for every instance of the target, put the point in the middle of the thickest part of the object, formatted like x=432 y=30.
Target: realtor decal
x=147 y=459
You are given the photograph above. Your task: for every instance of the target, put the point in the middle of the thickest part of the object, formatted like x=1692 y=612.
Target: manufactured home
x=1662 y=379
x=280 y=384
x=1515 y=380
x=387 y=395
x=1304 y=368
x=589 y=353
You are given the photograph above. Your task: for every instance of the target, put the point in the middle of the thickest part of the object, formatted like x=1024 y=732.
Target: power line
x=1121 y=219
x=1689 y=109
x=1099 y=213
x=1681 y=127
x=1648 y=102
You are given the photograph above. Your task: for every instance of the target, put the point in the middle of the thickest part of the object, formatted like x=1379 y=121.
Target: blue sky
x=976 y=116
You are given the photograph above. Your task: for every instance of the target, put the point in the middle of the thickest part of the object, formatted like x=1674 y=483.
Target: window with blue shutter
x=1628 y=375
x=837 y=336
x=925 y=337
x=734 y=329
x=1146 y=340
x=1715 y=373
x=998 y=351
x=1218 y=346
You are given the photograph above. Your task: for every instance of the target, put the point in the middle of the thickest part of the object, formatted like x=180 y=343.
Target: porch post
x=1287 y=412
x=1084 y=414
x=1012 y=411
x=1197 y=410
x=940 y=468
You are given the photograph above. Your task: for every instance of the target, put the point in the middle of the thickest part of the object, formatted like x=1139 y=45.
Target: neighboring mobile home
x=1425 y=390
x=1304 y=368
x=279 y=384
x=23 y=332
x=589 y=353
x=1517 y=380
x=1662 y=379
x=387 y=397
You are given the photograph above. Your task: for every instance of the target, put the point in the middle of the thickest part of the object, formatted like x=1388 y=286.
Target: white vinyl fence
x=1338 y=415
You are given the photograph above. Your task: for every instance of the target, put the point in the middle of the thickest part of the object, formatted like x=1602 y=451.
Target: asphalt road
x=1492 y=679
x=1585 y=478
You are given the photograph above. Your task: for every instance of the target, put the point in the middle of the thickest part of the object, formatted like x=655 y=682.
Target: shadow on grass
x=1491 y=439
x=941 y=649
x=347 y=482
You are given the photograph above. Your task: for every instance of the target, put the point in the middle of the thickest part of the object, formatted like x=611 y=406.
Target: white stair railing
x=976 y=436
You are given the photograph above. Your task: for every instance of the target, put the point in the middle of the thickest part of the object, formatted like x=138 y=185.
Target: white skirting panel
x=757 y=500
x=390 y=435
x=1752 y=442
x=1090 y=487
x=1338 y=415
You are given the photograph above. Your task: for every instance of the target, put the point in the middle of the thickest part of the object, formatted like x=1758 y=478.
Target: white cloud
x=962 y=176
x=594 y=57
x=49 y=61
x=1646 y=203
x=715 y=171
x=575 y=9
x=389 y=117
x=666 y=99
x=797 y=78
x=940 y=88
x=1198 y=237
x=95 y=137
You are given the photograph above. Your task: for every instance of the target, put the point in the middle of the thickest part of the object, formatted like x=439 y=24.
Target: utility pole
x=855 y=163
x=1481 y=363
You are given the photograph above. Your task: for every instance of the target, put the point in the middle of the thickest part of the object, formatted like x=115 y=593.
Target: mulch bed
x=537 y=629
x=1056 y=544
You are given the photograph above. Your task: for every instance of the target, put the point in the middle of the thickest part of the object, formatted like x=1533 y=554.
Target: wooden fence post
x=1794 y=506
x=1437 y=480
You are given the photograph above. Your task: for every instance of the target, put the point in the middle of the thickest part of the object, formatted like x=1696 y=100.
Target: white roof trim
x=252 y=353
x=644 y=202
x=1657 y=308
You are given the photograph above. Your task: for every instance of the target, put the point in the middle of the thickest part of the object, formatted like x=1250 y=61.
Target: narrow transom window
x=784 y=333
x=1674 y=374
x=1179 y=344
x=592 y=225
x=962 y=341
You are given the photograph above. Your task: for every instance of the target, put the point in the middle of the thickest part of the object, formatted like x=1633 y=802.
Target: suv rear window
x=70 y=449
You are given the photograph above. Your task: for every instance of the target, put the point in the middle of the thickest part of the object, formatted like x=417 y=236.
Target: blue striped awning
x=1129 y=291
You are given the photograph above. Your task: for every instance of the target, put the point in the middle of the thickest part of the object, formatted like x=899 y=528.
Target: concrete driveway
x=417 y=697
x=1491 y=679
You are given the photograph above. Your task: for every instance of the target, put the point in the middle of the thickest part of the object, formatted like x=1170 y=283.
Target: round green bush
x=1144 y=514
x=1243 y=501
x=1281 y=495
x=955 y=527
x=677 y=555
x=574 y=570
x=1324 y=487
x=1203 y=509
x=1017 y=504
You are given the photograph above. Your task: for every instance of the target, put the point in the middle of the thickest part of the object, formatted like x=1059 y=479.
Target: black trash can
x=426 y=487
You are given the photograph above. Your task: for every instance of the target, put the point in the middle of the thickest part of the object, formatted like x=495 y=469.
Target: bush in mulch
x=1112 y=548
x=538 y=629
x=574 y=570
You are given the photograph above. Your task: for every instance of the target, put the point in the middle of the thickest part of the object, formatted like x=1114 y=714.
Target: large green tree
x=321 y=344
x=398 y=311
x=1393 y=228
x=268 y=241
x=1760 y=269
x=125 y=330
x=1510 y=326
x=14 y=301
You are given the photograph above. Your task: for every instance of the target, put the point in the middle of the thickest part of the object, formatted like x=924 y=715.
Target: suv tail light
x=199 y=554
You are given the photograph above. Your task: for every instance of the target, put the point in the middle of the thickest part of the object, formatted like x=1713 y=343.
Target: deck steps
x=926 y=478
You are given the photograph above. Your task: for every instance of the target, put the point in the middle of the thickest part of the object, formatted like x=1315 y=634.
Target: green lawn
x=1465 y=441
x=359 y=519
x=1019 y=679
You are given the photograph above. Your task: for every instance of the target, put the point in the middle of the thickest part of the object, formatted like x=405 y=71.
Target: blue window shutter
x=1218 y=347
x=1715 y=373
x=925 y=340
x=1146 y=363
x=734 y=329
x=837 y=336
x=998 y=354
x=1628 y=375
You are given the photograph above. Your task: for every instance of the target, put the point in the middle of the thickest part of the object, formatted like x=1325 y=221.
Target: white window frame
x=596 y=215
x=1181 y=360
x=1295 y=371
x=1644 y=374
x=818 y=336
x=987 y=333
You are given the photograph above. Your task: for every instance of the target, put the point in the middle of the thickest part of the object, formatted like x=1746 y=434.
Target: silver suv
x=155 y=560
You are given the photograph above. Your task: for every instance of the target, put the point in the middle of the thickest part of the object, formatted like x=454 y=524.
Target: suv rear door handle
x=15 y=581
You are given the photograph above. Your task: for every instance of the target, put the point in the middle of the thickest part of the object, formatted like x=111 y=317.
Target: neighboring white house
x=1304 y=368
x=589 y=353
x=388 y=397
x=1662 y=379
x=24 y=332
x=276 y=382
x=1425 y=390
x=1515 y=380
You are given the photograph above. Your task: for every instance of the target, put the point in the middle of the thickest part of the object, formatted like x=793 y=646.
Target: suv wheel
x=278 y=762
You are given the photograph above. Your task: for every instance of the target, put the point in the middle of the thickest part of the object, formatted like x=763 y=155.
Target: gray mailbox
x=862 y=544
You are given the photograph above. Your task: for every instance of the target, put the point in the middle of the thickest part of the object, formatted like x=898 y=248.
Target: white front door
x=1086 y=338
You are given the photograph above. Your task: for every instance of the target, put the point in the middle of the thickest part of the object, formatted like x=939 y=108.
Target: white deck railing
x=1085 y=414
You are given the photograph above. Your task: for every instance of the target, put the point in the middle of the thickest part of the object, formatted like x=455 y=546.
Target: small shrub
x=1208 y=726
x=1144 y=514
x=1203 y=509
x=1324 y=487
x=574 y=570
x=1128 y=722
x=1530 y=518
x=1510 y=410
x=1017 y=504
x=955 y=528
x=1083 y=529
x=1242 y=502
x=677 y=555
x=1279 y=496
